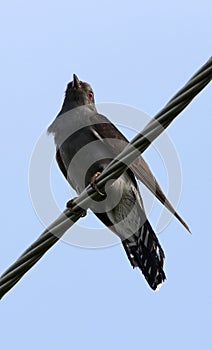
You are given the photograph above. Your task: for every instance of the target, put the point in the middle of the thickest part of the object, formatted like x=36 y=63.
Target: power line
x=117 y=166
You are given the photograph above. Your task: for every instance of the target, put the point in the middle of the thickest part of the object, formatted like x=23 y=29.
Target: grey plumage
x=86 y=142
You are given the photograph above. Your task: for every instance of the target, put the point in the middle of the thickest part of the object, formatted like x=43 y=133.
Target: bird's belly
x=122 y=207
x=127 y=216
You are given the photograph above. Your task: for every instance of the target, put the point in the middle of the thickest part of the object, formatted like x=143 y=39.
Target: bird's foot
x=69 y=206
x=94 y=185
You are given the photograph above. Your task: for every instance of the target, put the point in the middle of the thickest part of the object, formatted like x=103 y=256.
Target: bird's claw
x=94 y=185
x=69 y=206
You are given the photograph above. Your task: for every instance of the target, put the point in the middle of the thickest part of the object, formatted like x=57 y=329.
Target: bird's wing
x=63 y=167
x=60 y=163
x=106 y=131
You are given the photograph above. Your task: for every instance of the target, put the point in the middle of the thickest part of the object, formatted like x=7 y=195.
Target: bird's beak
x=75 y=82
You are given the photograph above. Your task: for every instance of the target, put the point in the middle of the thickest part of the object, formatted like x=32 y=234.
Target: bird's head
x=78 y=93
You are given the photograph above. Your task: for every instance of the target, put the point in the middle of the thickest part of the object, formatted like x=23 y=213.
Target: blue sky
x=138 y=54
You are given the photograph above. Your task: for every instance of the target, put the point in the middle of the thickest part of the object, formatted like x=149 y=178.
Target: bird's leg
x=69 y=206
x=94 y=185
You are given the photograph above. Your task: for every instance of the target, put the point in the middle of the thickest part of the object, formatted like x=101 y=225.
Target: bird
x=86 y=142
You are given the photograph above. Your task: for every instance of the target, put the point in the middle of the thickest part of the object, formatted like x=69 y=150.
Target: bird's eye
x=90 y=95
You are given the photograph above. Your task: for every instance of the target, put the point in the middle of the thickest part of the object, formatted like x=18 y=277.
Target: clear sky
x=135 y=53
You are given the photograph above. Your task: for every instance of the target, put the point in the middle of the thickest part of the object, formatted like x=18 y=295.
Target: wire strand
x=117 y=166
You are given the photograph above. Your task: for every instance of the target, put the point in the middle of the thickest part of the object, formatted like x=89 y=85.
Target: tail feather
x=144 y=251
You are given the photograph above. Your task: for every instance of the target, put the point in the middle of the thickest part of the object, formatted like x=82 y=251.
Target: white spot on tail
x=146 y=239
x=158 y=287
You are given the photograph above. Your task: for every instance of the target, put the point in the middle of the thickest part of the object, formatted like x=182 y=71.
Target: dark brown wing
x=140 y=168
x=60 y=163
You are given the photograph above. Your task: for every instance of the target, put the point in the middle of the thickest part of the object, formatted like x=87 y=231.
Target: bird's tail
x=144 y=251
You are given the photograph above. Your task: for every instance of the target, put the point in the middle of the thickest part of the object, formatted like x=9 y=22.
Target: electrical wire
x=116 y=167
